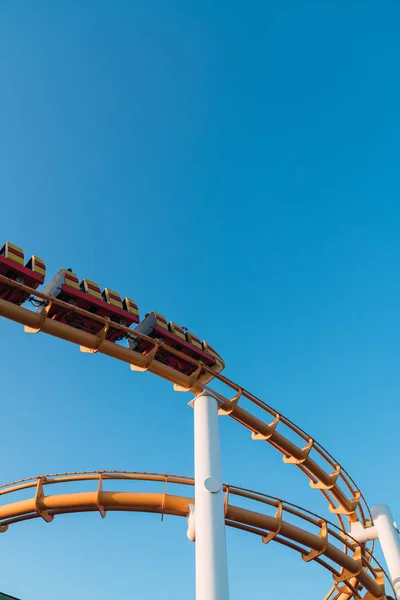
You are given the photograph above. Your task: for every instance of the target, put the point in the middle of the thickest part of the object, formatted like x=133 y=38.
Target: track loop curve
x=355 y=572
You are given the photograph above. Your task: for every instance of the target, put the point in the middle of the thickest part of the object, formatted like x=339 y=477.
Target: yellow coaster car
x=87 y=295
x=156 y=327
x=12 y=266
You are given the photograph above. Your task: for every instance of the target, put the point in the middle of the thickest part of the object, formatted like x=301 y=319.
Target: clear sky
x=235 y=166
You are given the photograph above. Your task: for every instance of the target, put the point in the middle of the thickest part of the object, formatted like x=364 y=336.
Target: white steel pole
x=390 y=543
x=211 y=558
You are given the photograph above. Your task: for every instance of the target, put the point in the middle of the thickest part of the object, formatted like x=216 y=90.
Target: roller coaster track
x=316 y=540
x=325 y=474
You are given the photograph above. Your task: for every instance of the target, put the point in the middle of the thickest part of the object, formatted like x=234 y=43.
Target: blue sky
x=235 y=167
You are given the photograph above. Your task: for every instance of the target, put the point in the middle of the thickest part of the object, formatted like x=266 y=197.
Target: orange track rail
x=344 y=498
x=316 y=540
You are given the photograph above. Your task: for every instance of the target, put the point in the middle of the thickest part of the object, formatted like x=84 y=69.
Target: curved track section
x=263 y=421
x=354 y=573
x=323 y=471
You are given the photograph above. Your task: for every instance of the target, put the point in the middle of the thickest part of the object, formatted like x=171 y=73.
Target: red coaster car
x=87 y=295
x=12 y=266
x=156 y=327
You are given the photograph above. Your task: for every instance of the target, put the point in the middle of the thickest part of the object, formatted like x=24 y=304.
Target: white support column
x=211 y=559
x=390 y=543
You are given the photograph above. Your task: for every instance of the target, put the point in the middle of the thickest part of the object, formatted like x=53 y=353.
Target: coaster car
x=156 y=327
x=12 y=266
x=87 y=295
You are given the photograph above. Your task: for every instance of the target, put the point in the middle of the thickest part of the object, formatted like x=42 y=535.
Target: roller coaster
x=100 y=322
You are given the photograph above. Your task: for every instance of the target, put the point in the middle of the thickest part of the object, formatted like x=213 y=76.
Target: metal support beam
x=390 y=543
x=211 y=558
x=363 y=534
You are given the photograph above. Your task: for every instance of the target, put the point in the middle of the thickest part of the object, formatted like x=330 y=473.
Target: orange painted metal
x=347 y=501
x=354 y=571
x=344 y=498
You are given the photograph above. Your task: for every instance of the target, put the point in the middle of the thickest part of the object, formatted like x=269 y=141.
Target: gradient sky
x=235 y=166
